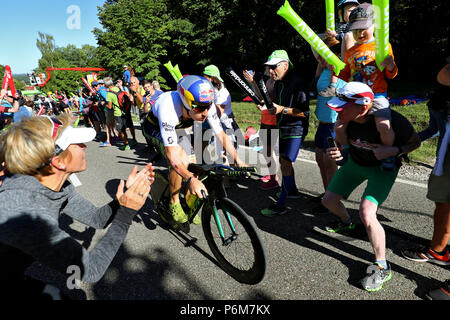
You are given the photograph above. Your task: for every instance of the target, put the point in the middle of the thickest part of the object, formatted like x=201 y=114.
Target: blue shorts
x=290 y=148
x=291 y=139
x=324 y=131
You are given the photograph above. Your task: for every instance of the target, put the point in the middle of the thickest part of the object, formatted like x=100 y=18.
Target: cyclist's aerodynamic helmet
x=196 y=92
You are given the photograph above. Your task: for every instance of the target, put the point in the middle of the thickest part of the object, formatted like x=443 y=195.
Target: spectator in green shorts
x=363 y=163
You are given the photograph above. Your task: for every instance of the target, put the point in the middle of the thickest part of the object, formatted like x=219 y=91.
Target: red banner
x=8 y=81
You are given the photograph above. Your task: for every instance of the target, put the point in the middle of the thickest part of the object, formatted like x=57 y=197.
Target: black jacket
x=292 y=92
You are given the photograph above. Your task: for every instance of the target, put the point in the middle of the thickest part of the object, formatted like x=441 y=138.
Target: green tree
x=64 y=57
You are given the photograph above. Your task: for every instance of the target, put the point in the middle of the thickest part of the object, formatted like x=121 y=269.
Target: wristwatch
x=285 y=110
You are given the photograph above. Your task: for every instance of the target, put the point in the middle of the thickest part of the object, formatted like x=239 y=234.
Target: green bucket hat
x=278 y=56
x=213 y=71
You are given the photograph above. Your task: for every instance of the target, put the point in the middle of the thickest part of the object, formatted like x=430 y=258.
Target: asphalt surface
x=304 y=262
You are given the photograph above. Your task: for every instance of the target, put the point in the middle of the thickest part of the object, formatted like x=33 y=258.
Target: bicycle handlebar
x=237 y=174
x=222 y=170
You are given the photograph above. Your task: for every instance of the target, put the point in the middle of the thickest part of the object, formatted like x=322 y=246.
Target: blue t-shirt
x=323 y=113
x=127 y=76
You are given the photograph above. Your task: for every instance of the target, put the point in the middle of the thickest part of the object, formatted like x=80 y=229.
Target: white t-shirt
x=223 y=97
x=167 y=109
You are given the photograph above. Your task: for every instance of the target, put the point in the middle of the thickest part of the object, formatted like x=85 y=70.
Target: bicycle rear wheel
x=242 y=253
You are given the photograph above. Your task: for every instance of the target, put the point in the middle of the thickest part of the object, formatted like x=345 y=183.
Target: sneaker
x=133 y=143
x=442 y=293
x=425 y=254
x=197 y=220
x=268 y=178
x=328 y=92
x=177 y=212
x=388 y=164
x=338 y=226
x=269 y=185
x=376 y=277
x=293 y=194
x=273 y=210
x=105 y=144
x=125 y=147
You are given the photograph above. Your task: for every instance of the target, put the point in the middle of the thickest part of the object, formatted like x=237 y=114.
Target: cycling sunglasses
x=200 y=108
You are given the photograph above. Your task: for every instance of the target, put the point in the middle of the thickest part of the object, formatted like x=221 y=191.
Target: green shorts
x=351 y=175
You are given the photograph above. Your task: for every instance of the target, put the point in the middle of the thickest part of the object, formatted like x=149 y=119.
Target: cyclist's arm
x=229 y=148
x=214 y=122
x=175 y=157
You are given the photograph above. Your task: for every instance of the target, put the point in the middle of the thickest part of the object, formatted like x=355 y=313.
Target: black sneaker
x=442 y=293
x=338 y=226
x=425 y=254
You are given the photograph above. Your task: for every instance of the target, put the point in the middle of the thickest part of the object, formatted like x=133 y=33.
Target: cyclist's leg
x=153 y=134
x=175 y=179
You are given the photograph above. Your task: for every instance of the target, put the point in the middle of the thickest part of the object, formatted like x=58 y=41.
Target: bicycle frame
x=214 y=184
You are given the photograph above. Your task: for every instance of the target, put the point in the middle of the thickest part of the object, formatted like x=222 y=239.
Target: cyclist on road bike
x=193 y=101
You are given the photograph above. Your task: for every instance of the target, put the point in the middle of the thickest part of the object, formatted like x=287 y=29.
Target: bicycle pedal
x=185 y=227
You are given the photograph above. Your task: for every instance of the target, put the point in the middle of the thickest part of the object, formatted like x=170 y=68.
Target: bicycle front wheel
x=234 y=241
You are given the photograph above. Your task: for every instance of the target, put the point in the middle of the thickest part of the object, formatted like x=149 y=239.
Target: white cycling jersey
x=167 y=109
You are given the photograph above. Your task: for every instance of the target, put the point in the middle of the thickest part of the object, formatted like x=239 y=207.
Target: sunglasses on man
x=273 y=67
x=200 y=107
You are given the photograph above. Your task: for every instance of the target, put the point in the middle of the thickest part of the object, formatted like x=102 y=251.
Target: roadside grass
x=248 y=115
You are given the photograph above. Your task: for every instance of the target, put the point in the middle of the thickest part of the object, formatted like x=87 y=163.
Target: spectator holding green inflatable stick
x=311 y=37
x=343 y=35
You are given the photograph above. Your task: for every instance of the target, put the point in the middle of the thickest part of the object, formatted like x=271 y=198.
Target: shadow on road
x=301 y=226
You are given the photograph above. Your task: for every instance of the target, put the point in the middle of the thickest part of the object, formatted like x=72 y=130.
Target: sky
x=22 y=20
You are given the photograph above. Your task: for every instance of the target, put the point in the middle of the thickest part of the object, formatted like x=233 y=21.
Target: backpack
x=124 y=101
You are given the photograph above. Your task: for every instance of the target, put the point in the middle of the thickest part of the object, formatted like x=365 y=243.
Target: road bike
x=230 y=234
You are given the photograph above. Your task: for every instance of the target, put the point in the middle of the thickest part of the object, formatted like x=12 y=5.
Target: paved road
x=304 y=263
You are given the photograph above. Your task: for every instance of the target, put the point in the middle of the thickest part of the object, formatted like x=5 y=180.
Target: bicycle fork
x=228 y=241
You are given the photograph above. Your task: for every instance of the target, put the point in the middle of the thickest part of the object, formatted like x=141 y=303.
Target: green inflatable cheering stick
x=174 y=71
x=329 y=6
x=308 y=34
x=381 y=17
